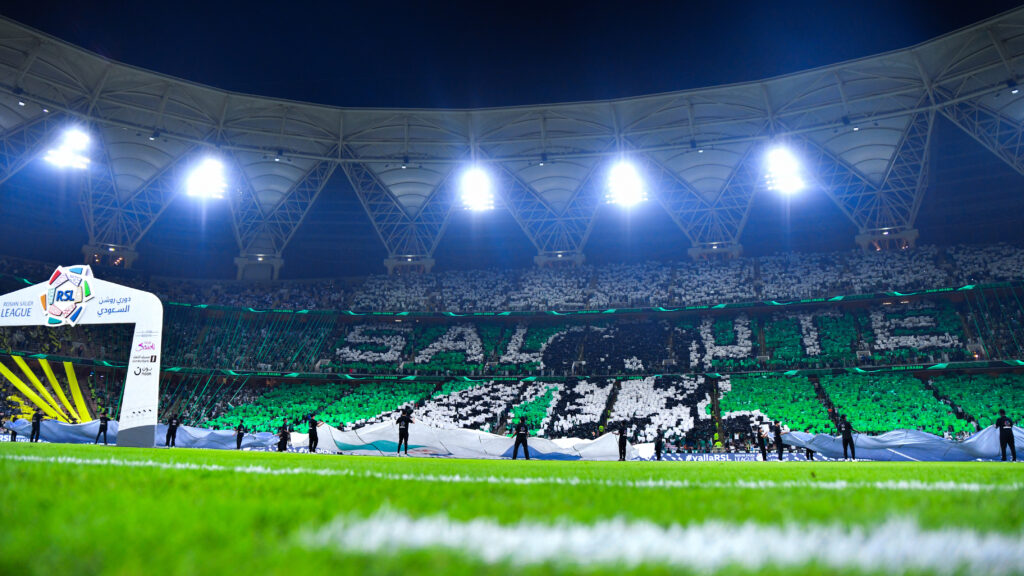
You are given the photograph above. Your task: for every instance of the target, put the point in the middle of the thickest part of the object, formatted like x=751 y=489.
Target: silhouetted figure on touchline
x=522 y=433
x=1005 y=426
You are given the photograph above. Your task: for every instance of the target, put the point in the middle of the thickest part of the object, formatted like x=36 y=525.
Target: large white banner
x=72 y=296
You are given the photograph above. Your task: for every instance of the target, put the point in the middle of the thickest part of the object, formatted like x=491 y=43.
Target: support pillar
x=258 y=267
x=112 y=255
x=887 y=239
x=404 y=264
x=715 y=250
x=559 y=258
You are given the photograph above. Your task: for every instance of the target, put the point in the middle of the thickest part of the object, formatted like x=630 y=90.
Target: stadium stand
x=777 y=277
x=477 y=405
x=675 y=404
x=878 y=404
x=864 y=333
x=578 y=408
x=371 y=402
x=293 y=327
x=535 y=408
x=981 y=396
x=749 y=402
x=267 y=412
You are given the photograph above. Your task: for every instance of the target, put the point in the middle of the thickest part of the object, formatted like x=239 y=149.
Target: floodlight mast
x=207 y=180
x=70 y=153
x=477 y=193
x=625 y=185
x=783 y=172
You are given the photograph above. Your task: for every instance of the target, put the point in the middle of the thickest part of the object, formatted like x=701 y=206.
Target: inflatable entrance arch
x=72 y=296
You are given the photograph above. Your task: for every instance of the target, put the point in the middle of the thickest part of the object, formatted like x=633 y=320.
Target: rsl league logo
x=67 y=293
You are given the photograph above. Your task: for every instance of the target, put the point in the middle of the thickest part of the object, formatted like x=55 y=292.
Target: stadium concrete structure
x=861 y=128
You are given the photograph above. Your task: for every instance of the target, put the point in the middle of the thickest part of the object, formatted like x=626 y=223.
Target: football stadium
x=765 y=324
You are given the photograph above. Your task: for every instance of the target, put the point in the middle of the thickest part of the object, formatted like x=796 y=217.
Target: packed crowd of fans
x=889 y=402
x=949 y=327
x=974 y=324
x=751 y=404
x=783 y=276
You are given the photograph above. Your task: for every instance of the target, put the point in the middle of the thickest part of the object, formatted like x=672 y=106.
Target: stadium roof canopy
x=861 y=128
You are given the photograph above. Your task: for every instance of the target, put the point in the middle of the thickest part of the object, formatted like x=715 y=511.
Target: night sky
x=472 y=54
x=469 y=54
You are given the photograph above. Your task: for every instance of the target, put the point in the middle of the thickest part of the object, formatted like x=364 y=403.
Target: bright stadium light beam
x=476 y=190
x=625 y=186
x=783 y=171
x=70 y=153
x=207 y=180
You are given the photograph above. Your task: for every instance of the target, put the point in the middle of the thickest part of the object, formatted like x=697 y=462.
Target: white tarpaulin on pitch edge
x=374 y=440
x=382 y=440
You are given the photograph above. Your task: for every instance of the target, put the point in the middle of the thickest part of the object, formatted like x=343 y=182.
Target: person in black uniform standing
x=659 y=443
x=622 y=443
x=313 y=438
x=777 y=429
x=403 y=430
x=1005 y=426
x=847 y=433
x=762 y=443
x=283 y=434
x=239 y=435
x=102 y=429
x=172 y=431
x=808 y=452
x=37 y=420
x=522 y=433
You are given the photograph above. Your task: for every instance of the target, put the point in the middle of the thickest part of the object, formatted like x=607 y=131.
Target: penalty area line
x=894 y=546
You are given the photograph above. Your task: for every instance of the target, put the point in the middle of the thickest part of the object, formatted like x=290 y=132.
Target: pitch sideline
x=901 y=485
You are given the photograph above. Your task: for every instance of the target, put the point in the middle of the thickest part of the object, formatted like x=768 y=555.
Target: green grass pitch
x=69 y=509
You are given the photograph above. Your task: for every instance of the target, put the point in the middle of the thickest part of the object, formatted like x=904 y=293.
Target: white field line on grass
x=895 y=546
x=900 y=485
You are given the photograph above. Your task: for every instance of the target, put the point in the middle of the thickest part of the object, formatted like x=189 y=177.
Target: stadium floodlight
x=783 y=171
x=625 y=186
x=207 y=180
x=70 y=153
x=476 y=190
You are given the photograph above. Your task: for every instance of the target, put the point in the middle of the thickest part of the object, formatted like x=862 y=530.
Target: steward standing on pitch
x=172 y=431
x=808 y=452
x=847 y=433
x=37 y=420
x=239 y=435
x=522 y=433
x=622 y=443
x=659 y=443
x=283 y=434
x=777 y=429
x=762 y=443
x=102 y=430
x=313 y=438
x=1005 y=426
x=403 y=429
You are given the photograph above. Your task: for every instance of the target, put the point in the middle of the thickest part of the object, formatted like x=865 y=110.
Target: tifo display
x=726 y=379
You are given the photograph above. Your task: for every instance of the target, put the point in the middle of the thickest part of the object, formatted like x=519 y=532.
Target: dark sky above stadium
x=467 y=54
